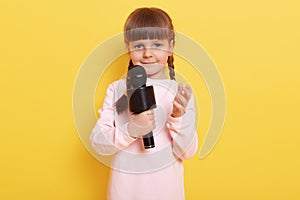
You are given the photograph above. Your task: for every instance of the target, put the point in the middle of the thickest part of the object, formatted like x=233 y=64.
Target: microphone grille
x=136 y=77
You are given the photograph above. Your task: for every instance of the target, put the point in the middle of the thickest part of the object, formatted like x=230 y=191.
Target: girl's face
x=152 y=55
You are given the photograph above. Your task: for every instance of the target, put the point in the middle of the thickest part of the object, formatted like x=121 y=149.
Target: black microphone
x=140 y=96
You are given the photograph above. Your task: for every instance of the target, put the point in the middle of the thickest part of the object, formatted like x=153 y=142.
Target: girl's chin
x=156 y=75
x=149 y=64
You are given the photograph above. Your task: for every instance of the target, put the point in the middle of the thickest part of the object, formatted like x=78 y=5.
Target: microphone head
x=136 y=77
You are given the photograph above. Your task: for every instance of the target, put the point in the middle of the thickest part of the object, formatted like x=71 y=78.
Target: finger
x=178 y=109
x=151 y=125
x=180 y=85
x=181 y=99
x=153 y=122
x=151 y=117
x=179 y=89
x=182 y=92
x=187 y=92
x=148 y=112
x=178 y=106
x=188 y=88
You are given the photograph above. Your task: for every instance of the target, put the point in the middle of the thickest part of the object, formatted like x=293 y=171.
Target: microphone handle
x=148 y=141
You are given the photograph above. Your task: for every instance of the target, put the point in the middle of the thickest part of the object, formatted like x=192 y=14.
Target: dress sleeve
x=183 y=133
x=108 y=135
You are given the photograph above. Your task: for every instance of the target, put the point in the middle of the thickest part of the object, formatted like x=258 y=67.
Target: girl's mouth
x=147 y=63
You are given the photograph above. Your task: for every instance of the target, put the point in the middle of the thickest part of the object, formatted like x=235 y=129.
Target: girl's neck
x=157 y=77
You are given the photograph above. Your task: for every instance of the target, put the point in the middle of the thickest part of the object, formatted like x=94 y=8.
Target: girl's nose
x=147 y=52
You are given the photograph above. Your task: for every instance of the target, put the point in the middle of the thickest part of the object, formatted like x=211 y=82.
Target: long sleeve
x=183 y=133
x=110 y=132
x=157 y=172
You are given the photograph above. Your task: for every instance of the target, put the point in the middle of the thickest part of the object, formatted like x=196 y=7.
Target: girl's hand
x=181 y=100
x=141 y=124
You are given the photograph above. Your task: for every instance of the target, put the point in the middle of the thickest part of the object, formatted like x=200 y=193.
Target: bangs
x=151 y=33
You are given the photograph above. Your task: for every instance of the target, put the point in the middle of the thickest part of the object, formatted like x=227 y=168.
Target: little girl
x=156 y=173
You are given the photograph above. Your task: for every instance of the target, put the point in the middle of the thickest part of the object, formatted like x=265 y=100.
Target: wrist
x=175 y=115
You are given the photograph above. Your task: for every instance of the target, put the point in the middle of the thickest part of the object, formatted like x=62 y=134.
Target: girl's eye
x=158 y=45
x=138 y=46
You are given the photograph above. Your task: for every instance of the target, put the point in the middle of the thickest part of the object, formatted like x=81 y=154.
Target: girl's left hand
x=181 y=100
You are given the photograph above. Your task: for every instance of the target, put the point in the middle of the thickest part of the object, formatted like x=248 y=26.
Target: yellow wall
x=255 y=45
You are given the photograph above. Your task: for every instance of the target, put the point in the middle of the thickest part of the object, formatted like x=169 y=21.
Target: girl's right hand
x=141 y=124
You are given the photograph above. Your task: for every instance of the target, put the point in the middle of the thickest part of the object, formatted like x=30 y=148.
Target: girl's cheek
x=135 y=55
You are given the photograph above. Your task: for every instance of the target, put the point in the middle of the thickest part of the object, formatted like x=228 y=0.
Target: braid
x=171 y=67
x=130 y=64
x=122 y=103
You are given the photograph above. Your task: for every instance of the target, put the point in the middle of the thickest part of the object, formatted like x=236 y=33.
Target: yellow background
x=255 y=45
